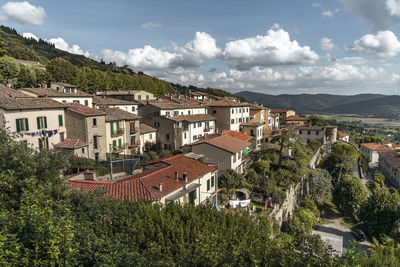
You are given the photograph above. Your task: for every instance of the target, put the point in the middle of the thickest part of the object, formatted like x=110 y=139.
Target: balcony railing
x=134 y=144
x=117 y=133
x=117 y=149
x=134 y=130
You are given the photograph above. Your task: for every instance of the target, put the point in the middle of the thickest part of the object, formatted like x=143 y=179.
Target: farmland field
x=372 y=121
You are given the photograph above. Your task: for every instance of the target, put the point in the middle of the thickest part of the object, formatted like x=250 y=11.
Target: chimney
x=185 y=177
x=104 y=96
x=176 y=176
x=160 y=187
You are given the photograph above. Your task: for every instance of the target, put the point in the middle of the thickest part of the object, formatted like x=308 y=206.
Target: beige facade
x=254 y=129
x=230 y=118
x=136 y=95
x=283 y=113
x=122 y=137
x=324 y=134
x=41 y=128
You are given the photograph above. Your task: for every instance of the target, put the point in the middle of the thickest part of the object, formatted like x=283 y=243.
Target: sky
x=268 y=46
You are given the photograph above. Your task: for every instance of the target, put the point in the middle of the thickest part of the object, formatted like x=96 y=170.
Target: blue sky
x=286 y=46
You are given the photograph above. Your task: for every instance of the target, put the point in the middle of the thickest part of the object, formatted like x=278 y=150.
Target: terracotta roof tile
x=296 y=118
x=391 y=158
x=227 y=103
x=375 y=147
x=109 y=101
x=42 y=92
x=29 y=103
x=84 y=110
x=144 y=128
x=145 y=186
x=117 y=114
x=225 y=142
x=10 y=92
x=192 y=118
x=341 y=134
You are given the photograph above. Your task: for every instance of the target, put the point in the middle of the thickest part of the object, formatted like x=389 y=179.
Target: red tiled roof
x=225 y=142
x=71 y=143
x=228 y=103
x=84 y=110
x=375 y=147
x=391 y=158
x=296 y=118
x=341 y=134
x=145 y=185
x=117 y=114
x=238 y=135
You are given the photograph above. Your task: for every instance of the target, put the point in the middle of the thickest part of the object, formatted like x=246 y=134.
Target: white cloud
x=378 y=14
x=61 y=44
x=181 y=59
x=327 y=44
x=383 y=44
x=272 y=49
x=336 y=78
x=22 y=12
x=351 y=60
x=29 y=35
x=330 y=13
x=150 y=25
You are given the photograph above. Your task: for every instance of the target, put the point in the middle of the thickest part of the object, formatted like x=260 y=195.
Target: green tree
x=379 y=178
x=320 y=185
x=230 y=179
x=350 y=194
x=316 y=120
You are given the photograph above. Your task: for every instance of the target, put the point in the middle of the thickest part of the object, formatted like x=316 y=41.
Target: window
x=133 y=109
x=22 y=125
x=232 y=121
x=83 y=150
x=94 y=122
x=300 y=132
x=207 y=126
x=192 y=196
x=64 y=101
x=95 y=142
x=86 y=102
x=317 y=132
x=60 y=120
x=58 y=88
x=139 y=97
x=240 y=120
x=67 y=90
x=147 y=97
x=309 y=132
x=119 y=143
x=233 y=111
x=184 y=135
x=114 y=144
x=199 y=124
x=156 y=114
x=44 y=143
x=234 y=158
x=212 y=181
x=75 y=101
x=150 y=136
x=156 y=124
x=176 y=113
x=194 y=125
x=238 y=155
x=214 y=111
x=208 y=185
x=62 y=137
x=189 y=112
x=167 y=136
x=194 y=137
x=41 y=122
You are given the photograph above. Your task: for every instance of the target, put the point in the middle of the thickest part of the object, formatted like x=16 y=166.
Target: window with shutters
x=60 y=120
x=212 y=181
x=62 y=137
x=41 y=122
x=208 y=185
x=86 y=102
x=22 y=125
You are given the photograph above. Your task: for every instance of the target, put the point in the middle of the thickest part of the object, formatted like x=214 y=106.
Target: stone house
x=372 y=150
x=75 y=147
x=229 y=114
x=128 y=106
x=283 y=113
x=389 y=165
x=89 y=126
x=122 y=133
x=254 y=129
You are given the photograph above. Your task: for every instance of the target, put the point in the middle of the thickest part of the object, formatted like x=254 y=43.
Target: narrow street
x=335 y=226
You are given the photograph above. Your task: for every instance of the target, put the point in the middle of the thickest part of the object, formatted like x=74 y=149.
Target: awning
x=245 y=151
x=182 y=192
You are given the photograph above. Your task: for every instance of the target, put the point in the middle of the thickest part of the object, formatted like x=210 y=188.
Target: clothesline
x=42 y=133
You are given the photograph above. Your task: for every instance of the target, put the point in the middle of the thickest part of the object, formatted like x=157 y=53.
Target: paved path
x=335 y=226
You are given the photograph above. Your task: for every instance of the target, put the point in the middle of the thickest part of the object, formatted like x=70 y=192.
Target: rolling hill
x=374 y=105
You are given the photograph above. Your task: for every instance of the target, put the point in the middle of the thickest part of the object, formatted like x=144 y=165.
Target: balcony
x=117 y=149
x=134 y=130
x=117 y=133
x=134 y=144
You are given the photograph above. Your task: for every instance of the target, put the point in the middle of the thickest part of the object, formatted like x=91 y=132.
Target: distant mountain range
x=372 y=105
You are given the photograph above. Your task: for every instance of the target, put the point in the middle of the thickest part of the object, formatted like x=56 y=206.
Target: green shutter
x=86 y=102
x=212 y=181
x=119 y=142
x=38 y=122
x=112 y=127
x=26 y=125
x=47 y=143
x=17 y=123
x=60 y=120
x=195 y=194
x=114 y=143
x=208 y=184
x=117 y=126
x=45 y=122
x=40 y=144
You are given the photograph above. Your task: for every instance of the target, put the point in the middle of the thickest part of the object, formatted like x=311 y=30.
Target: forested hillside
x=88 y=74
x=363 y=104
